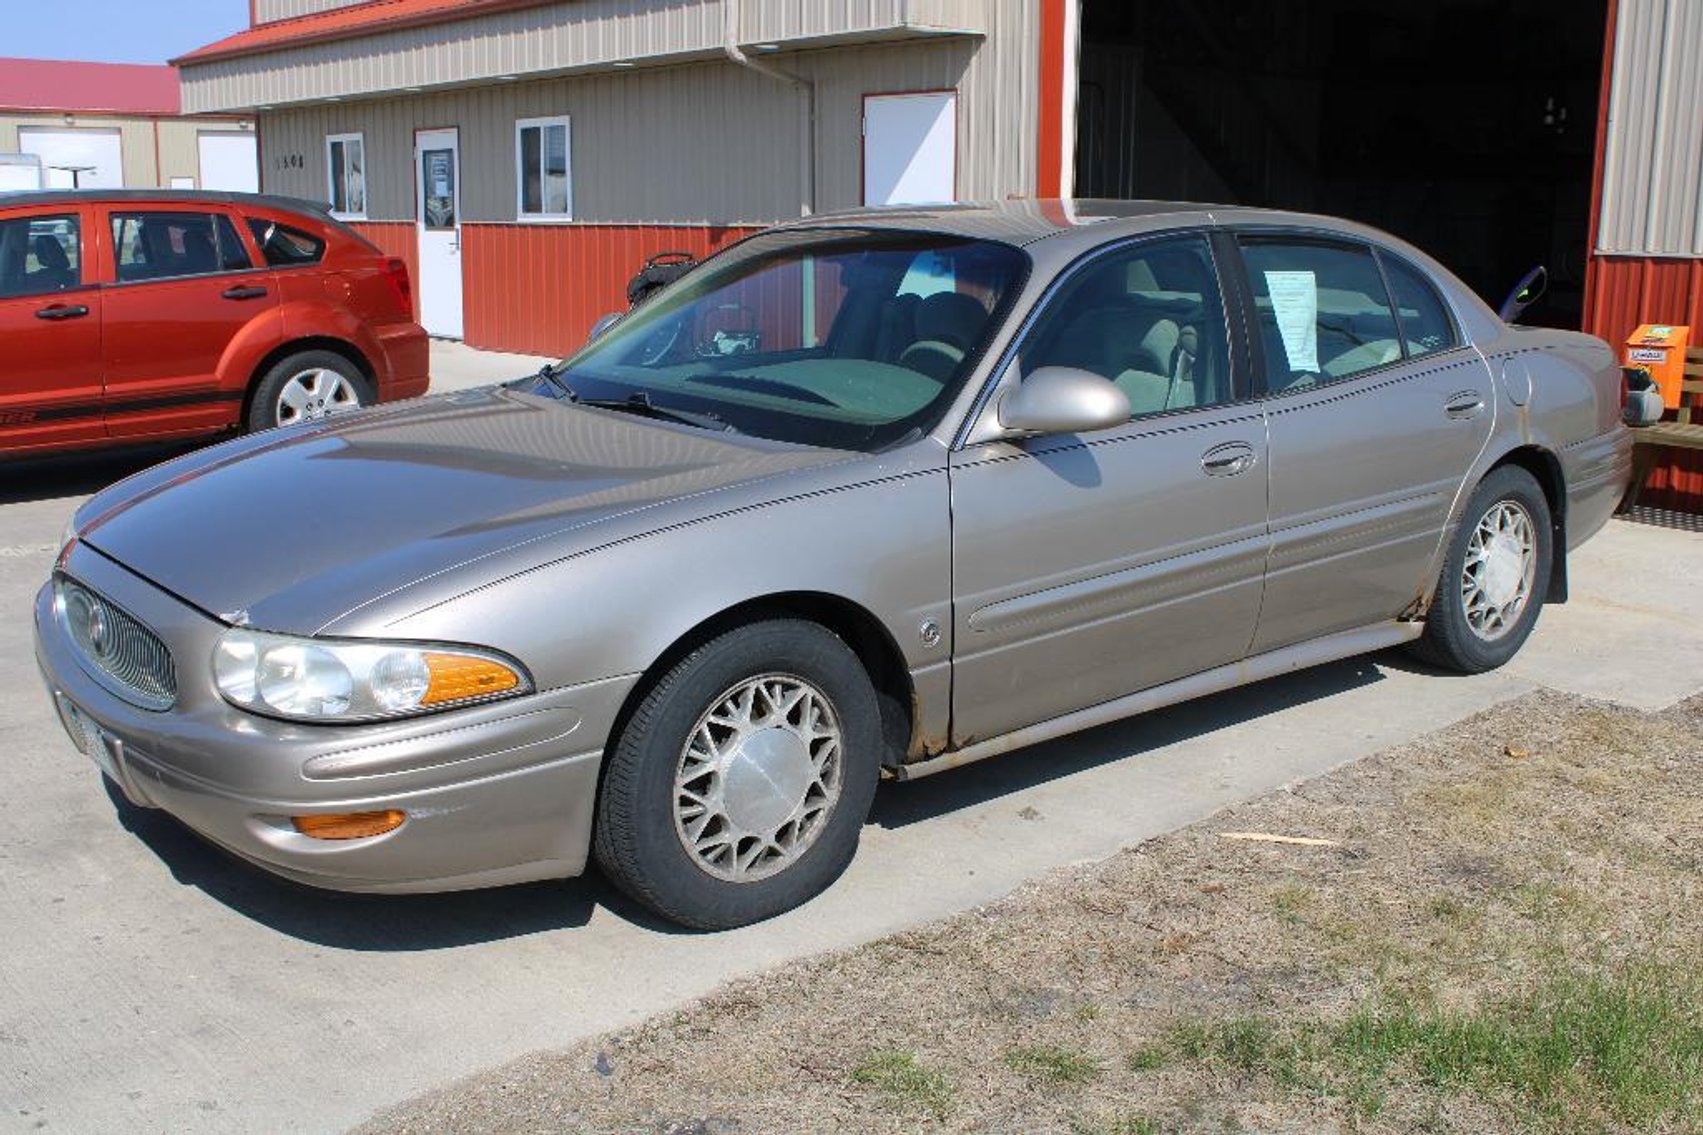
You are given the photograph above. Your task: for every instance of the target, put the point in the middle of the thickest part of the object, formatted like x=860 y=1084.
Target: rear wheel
x=739 y=786
x=1493 y=580
x=305 y=387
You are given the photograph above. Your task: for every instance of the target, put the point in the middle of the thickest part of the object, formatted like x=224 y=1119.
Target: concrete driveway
x=149 y=983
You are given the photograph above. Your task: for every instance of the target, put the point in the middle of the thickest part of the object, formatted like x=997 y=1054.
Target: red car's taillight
x=396 y=271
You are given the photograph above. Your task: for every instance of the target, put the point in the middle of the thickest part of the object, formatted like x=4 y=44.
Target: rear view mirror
x=1643 y=404
x=1527 y=292
x=1063 y=400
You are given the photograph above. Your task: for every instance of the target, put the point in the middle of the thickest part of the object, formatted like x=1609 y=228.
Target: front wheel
x=739 y=786
x=306 y=387
x=1494 y=577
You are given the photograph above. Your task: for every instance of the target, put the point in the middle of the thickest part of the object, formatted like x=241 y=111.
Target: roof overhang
x=426 y=45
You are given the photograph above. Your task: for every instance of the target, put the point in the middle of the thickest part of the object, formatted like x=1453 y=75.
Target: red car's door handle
x=62 y=311
x=244 y=292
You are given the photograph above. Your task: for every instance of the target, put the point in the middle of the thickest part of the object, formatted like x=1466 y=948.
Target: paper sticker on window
x=1295 y=304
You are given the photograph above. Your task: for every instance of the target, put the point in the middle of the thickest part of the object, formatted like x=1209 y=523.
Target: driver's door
x=1087 y=567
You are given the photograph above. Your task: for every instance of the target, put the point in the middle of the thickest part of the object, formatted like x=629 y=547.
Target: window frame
x=113 y=214
x=975 y=430
x=1385 y=257
x=85 y=269
x=1317 y=238
x=521 y=125
x=331 y=175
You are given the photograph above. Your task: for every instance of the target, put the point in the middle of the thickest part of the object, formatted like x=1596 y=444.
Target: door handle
x=244 y=292
x=1227 y=460
x=62 y=311
x=1465 y=404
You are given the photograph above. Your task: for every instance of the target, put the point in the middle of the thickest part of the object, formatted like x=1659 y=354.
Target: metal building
x=525 y=155
x=109 y=125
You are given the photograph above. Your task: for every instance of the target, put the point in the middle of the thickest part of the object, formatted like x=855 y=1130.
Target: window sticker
x=1295 y=303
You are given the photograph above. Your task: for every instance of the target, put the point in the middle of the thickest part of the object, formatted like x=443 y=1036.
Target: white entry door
x=437 y=176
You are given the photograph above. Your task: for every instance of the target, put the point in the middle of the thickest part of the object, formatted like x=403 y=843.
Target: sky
x=118 y=31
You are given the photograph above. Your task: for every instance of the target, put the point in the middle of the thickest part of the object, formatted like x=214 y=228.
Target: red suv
x=136 y=314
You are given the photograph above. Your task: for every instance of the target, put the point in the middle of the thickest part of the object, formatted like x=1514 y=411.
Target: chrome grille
x=117 y=650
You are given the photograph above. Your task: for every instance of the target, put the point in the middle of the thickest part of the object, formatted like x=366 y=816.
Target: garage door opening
x=1467 y=127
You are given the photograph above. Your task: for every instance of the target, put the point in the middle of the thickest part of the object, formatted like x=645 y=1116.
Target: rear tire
x=739 y=786
x=1494 y=577
x=306 y=387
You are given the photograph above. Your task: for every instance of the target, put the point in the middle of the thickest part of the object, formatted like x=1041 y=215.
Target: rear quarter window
x=283 y=245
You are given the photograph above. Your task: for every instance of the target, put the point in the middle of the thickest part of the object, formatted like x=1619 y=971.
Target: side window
x=346 y=169
x=161 y=246
x=542 y=169
x=1149 y=318
x=1323 y=312
x=283 y=246
x=39 y=256
x=1425 y=322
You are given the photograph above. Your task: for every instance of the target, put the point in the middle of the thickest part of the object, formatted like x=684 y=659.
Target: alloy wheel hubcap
x=1499 y=571
x=758 y=778
x=315 y=394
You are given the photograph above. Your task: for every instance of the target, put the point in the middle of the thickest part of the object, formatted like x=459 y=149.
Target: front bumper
x=494 y=794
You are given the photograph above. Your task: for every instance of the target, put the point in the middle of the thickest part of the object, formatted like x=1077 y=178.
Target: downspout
x=806 y=104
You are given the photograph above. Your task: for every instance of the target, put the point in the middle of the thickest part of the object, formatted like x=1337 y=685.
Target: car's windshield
x=846 y=339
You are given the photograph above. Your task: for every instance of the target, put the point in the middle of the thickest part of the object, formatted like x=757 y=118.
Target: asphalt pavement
x=150 y=983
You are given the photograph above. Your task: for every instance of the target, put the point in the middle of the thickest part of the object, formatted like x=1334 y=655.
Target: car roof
x=31 y=197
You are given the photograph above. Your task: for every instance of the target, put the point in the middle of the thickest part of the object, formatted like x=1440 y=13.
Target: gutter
x=806 y=104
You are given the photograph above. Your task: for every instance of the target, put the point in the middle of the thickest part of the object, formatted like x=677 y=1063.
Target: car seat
x=947 y=325
x=56 y=270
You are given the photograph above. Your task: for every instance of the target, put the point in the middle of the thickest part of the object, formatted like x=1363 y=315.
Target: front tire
x=739 y=786
x=1493 y=581
x=305 y=387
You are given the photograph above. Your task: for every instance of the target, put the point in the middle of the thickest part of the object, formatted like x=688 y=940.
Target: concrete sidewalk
x=150 y=983
x=456 y=366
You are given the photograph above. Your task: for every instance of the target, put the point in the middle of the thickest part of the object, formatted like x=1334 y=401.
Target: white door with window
x=910 y=149
x=229 y=161
x=437 y=176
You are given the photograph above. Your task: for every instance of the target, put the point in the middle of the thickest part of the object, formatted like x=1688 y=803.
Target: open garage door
x=76 y=158
x=1464 y=126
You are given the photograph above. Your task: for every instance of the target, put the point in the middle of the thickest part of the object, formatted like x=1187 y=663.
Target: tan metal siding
x=553 y=38
x=1652 y=200
x=709 y=142
x=265 y=11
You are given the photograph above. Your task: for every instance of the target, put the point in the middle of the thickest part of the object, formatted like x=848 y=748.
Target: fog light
x=349 y=825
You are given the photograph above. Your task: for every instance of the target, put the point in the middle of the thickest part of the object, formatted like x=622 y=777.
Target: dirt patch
x=1507 y=935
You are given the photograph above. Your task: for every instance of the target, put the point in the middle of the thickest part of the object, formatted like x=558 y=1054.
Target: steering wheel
x=931 y=357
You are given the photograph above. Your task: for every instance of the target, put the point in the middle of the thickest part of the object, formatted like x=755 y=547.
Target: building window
x=545 y=191
x=346 y=162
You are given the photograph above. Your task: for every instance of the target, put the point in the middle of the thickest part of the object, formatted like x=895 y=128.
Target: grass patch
x=1148 y=1058
x=1115 y=1125
x=1052 y=1063
x=1578 y=1052
x=899 y=1076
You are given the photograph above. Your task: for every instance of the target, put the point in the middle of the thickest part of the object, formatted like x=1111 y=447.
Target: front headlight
x=331 y=680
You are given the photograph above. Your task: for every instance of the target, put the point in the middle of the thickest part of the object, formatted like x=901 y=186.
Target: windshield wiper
x=549 y=373
x=639 y=402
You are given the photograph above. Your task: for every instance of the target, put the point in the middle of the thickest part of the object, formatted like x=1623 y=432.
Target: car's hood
x=290 y=529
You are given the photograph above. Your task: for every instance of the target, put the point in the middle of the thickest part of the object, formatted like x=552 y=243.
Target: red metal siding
x=1625 y=291
x=396 y=238
x=538 y=289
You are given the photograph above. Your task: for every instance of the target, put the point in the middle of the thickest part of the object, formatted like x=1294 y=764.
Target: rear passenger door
x=1375 y=420
x=50 y=331
x=187 y=312
x=1087 y=567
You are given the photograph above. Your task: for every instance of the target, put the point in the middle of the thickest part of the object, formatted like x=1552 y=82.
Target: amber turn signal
x=349 y=825
x=457 y=677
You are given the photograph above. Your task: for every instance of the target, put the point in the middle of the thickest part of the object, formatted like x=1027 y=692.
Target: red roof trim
x=353 y=22
x=88 y=88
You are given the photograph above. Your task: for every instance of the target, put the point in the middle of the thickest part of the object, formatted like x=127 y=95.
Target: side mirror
x=1527 y=292
x=1063 y=400
x=602 y=326
x=1643 y=406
